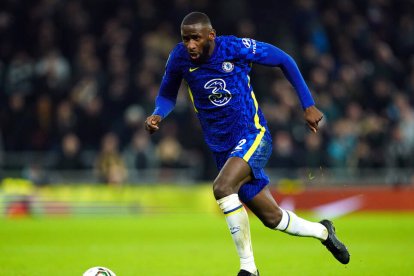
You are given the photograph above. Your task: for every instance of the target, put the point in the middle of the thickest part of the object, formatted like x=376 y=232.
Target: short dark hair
x=195 y=18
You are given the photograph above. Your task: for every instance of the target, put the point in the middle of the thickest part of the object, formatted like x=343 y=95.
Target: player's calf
x=271 y=219
x=294 y=225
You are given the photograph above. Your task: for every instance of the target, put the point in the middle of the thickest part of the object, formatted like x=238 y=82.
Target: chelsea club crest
x=227 y=66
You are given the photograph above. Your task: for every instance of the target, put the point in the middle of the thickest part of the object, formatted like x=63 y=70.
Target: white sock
x=294 y=225
x=238 y=222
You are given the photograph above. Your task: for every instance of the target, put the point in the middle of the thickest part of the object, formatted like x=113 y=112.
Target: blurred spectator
x=69 y=157
x=91 y=124
x=363 y=156
x=399 y=152
x=169 y=150
x=66 y=119
x=140 y=153
x=133 y=121
x=43 y=122
x=36 y=173
x=386 y=65
x=315 y=154
x=170 y=153
x=342 y=143
x=399 y=156
x=405 y=120
x=109 y=164
x=54 y=73
x=284 y=155
x=20 y=74
x=374 y=131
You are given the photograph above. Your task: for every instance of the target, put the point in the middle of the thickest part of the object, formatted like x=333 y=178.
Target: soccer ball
x=99 y=271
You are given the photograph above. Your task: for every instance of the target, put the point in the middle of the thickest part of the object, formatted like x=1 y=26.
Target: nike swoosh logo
x=234 y=230
x=193 y=69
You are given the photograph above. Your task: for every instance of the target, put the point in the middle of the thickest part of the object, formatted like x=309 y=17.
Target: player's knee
x=273 y=219
x=221 y=189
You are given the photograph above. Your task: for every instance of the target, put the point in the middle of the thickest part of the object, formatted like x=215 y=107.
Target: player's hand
x=312 y=117
x=151 y=123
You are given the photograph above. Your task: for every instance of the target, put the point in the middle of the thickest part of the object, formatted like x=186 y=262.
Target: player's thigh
x=234 y=173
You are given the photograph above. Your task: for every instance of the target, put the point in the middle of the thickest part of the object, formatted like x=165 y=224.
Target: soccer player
x=216 y=70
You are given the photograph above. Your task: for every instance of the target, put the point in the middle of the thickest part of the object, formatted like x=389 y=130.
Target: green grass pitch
x=198 y=244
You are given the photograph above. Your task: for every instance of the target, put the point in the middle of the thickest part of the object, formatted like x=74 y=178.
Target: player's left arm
x=270 y=55
x=277 y=57
x=312 y=117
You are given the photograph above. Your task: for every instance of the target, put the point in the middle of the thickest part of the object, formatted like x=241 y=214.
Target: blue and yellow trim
x=234 y=211
x=191 y=97
x=259 y=136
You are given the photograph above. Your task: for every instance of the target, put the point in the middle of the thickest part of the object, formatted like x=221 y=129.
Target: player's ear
x=212 y=34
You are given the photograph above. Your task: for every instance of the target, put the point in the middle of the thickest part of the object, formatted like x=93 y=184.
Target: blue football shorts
x=255 y=149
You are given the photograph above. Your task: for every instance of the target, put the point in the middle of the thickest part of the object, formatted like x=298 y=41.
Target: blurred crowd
x=79 y=77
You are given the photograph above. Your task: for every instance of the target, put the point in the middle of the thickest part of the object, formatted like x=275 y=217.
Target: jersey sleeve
x=170 y=83
x=266 y=54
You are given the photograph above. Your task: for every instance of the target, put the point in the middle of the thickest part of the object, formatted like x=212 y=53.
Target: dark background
x=78 y=78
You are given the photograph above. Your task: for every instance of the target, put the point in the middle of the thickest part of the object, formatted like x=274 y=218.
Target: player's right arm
x=167 y=94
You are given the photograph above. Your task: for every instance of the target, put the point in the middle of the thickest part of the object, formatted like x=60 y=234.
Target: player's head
x=198 y=35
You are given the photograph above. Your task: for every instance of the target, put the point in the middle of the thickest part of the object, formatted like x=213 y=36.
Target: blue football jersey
x=220 y=88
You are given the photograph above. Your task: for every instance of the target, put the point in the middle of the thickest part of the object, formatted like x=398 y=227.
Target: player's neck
x=212 y=47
